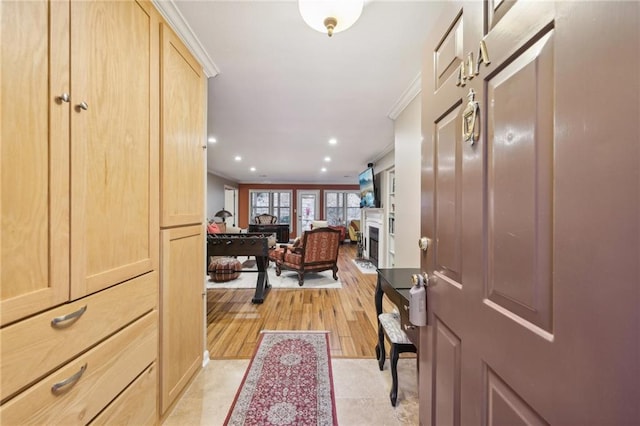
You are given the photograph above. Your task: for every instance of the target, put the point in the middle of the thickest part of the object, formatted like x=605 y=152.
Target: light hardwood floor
x=234 y=323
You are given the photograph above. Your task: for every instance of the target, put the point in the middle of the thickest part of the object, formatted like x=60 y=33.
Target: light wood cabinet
x=94 y=379
x=79 y=209
x=136 y=405
x=114 y=147
x=79 y=172
x=34 y=161
x=36 y=343
x=182 y=324
x=182 y=135
x=182 y=168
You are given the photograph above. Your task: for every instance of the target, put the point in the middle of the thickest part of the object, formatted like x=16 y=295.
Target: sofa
x=324 y=224
x=222 y=228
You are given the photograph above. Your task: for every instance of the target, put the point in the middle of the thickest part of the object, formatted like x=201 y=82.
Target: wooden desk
x=396 y=283
x=280 y=229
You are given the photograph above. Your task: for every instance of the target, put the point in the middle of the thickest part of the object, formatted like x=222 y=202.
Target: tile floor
x=361 y=391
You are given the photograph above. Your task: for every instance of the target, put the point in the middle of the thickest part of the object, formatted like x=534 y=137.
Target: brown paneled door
x=530 y=195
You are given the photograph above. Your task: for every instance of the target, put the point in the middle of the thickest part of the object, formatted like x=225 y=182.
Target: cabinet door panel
x=182 y=180
x=114 y=146
x=182 y=324
x=34 y=166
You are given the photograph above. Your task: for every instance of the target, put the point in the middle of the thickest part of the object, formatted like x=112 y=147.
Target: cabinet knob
x=83 y=105
x=64 y=98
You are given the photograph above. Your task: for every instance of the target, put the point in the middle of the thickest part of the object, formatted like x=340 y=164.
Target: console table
x=280 y=229
x=396 y=284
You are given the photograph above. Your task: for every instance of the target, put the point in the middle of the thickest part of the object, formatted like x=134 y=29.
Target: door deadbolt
x=423 y=243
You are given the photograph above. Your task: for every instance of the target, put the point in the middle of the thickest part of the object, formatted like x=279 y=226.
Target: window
x=277 y=203
x=341 y=207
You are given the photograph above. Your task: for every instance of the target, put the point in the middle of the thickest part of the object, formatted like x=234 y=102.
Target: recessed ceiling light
x=333 y=141
x=238 y=158
x=212 y=140
x=253 y=169
x=324 y=169
x=327 y=159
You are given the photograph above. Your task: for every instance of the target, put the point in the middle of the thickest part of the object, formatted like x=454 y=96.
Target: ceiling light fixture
x=327 y=159
x=324 y=169
x=253 y=169
x=333 y=141
x=330 y=16
x=238 y=158
x=212 y=140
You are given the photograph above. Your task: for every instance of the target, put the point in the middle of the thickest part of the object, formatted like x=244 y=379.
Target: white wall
x=215 y=193
x=408 y=141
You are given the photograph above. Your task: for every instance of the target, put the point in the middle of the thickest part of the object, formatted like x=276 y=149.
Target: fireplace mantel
x=375 y=218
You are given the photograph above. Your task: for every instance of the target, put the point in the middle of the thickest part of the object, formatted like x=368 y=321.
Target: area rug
x=288 y=382
x=287 y=279
x=365 y=266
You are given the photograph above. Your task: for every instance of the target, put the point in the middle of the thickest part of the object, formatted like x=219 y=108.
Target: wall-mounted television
x=367 y=188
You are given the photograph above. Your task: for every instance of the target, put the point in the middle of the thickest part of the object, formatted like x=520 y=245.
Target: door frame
x=231 y=202
x=299 y=195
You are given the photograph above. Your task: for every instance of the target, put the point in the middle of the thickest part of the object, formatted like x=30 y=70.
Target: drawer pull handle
x=57 y=388
x=58 y=322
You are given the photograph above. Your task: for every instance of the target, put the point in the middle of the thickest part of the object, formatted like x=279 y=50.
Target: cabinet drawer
x=410 y=329
x=34 y=347
x=110 y=367
x=137 y=405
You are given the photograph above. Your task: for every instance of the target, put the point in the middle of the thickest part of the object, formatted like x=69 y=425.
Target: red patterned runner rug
x=288 y=382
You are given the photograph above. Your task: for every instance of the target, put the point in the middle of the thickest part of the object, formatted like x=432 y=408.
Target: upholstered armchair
x=266 y=219
x=317 y=251
x=354 y=228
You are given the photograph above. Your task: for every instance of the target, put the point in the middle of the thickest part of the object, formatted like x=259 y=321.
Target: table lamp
x=224 y=214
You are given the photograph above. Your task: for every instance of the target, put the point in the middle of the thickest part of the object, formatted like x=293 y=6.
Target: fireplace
x=373 y=245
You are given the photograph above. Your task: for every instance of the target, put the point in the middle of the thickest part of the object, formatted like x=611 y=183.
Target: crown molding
x=411 y=92
x=385 y=151
x=171 y=13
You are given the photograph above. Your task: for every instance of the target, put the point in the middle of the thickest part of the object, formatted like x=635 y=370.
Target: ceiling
x=283 y=89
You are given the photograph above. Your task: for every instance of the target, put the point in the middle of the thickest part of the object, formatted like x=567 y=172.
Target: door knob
x=423 y=243
x=421 y=279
